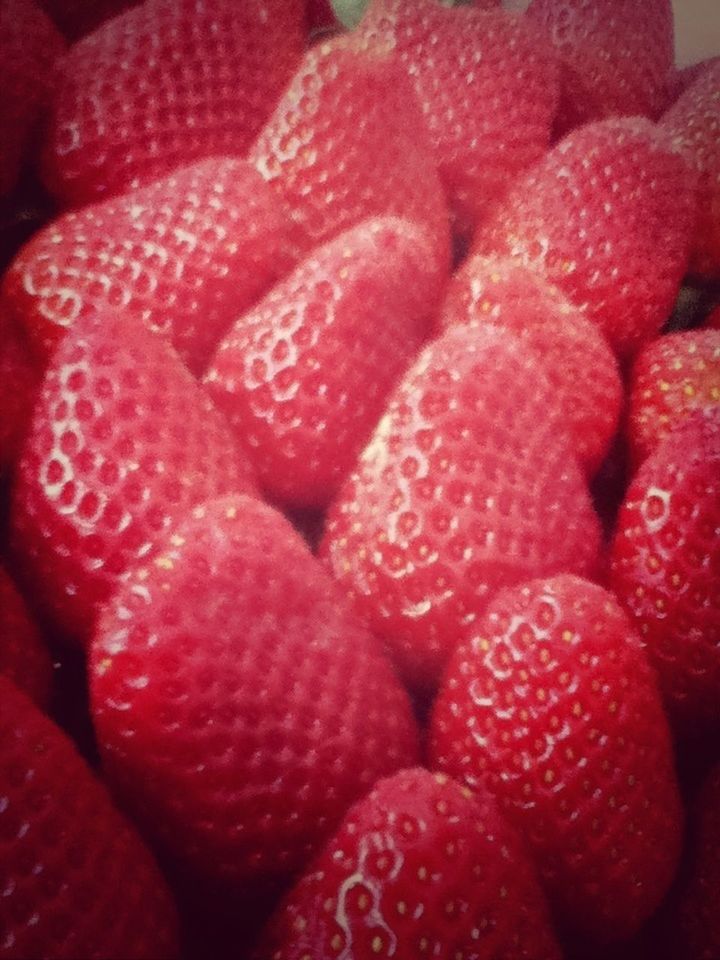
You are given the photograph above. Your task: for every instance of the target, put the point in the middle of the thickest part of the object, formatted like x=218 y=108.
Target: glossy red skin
x=183 y=255
x=77 y=880
x=24 y=657
x=346 y=142
x=164 y=84
x=575 y=357
x=29 y=48
x=671 y=377
x=692 y=124
x=488 y=86
x=465 y=487
x=304 y=376
x=418 y=867
x=607 y=217
x=239 y=705
x=666 y=566
x=19 y=382
x=616 y=56
x=693 y=930
x=123 y=439
x=550 y=704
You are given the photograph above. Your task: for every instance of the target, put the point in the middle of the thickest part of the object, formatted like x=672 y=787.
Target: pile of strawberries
x=360 y=452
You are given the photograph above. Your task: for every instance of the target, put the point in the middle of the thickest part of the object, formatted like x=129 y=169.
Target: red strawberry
x=305 y=375
x=681 y=79
x=607 y=216
x=75 y=877
x=488 y=87
x=123 y=440
x=29 y=47
x=78 y=17
x=166 y=83
x=19 y=381
x=671 y=377
x=693 y=124
x=506 y=294
x=551 y=704
x=420 y=867
x=468 y=484
x=666 y=565
x=713 y=321
x=24 y=658
x=347 y=142
x=694 y=932
x=183 y=255
x=240 y=707
x=616 y=55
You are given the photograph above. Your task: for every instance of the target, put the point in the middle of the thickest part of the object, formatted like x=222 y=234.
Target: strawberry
x=551 y=704
x=488 y=87
x=239 y=705
x=183 y=255
x=76 y=879
x=468 y=484
x=122 y=440
x=166 y=83
x=607 y=216
x=419 y=867
x=320 y=16
x=694 y=929
x=713 y=321
x=506 y=294
x=692 y=123
x=24 y=658
x=304 y=376
x=682 y=78
x=29 y=47
x=347 y=142
x=671 y=377
x=19 y=381
x=666 y=565
x=616 y=56
x=78 y=17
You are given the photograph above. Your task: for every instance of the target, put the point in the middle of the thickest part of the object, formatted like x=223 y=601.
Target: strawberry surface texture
x=420 y=866
x=359 y=479
x=77 y=880
x=228 y=671
x=184 y=255
x=165 y=83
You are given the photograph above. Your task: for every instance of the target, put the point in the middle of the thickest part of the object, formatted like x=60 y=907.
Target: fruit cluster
x=360 y=482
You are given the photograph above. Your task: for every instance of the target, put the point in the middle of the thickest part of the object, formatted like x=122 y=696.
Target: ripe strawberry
x=681 y=79
x=29 y=47
x=692 y=123
x=671 y=377
x=78 y=17
x=304 y=376
x=183 y=255
x=320 y=16
x=468 y=484
x=616 y=56
x=76 y=879
x=347 y=142
x=607 y=216
x=666 y=565
x=551 y=704
x=166 y=83
x=24 y=658
x=240 y=707
x=694 y=931
x=488 y=87
x=19 y=381
x=419 y=867
x=713 y=321
x=123 y=440
x=506 y=294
